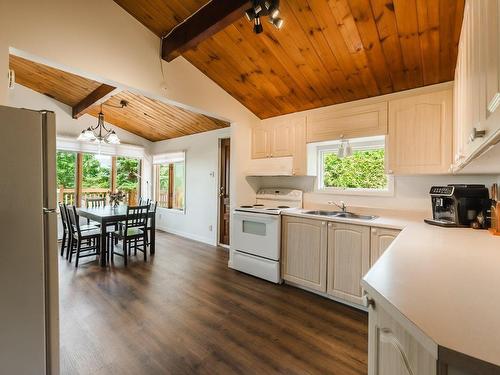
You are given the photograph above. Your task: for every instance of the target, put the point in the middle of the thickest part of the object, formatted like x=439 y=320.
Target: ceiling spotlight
x=263 y=8
x=250 y=14
x=274 y=12
x=257 y=27
x=277 y=22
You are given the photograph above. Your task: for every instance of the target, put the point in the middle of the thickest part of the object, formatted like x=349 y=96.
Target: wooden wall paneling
x=295 y=47
x=95 y=96
x=328 y=52
x=385 y=20
x=267 y=65
x=347 y=27
x=162 y=16
x=428 y=30
x=450 y=11
x=202 y=24
x=298 y=85
x=227 y=76
x=253 y=74
x=327 y=24
x=62 y=86
x=154 y=120
x=309 y=25
x=406 y=18
x=362 y=15
x=302 y=41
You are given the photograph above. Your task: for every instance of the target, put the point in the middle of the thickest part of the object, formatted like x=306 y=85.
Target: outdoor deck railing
x=68 y=196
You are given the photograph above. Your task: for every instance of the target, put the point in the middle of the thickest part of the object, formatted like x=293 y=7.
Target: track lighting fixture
x=257 y=27
x=261 y=8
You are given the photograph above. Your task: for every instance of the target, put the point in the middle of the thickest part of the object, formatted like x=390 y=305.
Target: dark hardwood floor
x=186 y=312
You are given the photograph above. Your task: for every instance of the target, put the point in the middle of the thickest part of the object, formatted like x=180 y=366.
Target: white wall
x=67 y=126
x=411 y=193
x=99 y=40
x=202 y=164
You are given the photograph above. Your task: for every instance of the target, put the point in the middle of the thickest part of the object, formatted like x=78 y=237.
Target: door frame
x=217 y=197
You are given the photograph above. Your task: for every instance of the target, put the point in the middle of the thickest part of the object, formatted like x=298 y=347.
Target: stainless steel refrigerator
x=29 y=316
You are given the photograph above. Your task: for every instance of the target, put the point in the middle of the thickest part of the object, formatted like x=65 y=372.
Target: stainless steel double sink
x=340 y=214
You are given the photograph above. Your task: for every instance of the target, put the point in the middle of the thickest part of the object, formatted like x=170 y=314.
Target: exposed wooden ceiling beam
x=209 y=20
x=99 y=94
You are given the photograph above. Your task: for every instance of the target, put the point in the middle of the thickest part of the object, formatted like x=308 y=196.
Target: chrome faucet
x=342 y=205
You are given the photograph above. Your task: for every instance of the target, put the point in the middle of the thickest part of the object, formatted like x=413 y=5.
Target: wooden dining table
x=109 y=215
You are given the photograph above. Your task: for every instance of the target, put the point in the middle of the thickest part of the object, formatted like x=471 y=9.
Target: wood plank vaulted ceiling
x=328 y=52
x=145 y=117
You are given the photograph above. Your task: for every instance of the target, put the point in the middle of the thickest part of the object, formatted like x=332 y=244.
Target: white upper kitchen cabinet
x=477 y=81
x=420 y=134
x=273 y=138
x=361 y=120
x=261 y=141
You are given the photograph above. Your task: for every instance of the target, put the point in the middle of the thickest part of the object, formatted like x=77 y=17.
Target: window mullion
x=170 y=185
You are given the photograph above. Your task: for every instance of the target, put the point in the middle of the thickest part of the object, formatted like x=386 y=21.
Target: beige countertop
x=446 y=281
x=384 y=220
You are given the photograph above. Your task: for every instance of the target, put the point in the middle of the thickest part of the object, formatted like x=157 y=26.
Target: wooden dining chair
x=66 y=238
x=144 y=201
x=84 y=243
x=94 y=202
x=132 y=233
x=149 y=227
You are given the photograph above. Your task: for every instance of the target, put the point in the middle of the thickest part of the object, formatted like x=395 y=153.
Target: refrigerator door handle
x=49 y=210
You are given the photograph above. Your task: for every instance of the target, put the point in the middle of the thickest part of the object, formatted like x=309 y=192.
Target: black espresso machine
x=459 y=205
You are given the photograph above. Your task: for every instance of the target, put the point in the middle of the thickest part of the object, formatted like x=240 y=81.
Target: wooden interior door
x=224 y=201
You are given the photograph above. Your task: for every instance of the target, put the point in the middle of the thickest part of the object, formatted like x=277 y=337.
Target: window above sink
x=360 y=172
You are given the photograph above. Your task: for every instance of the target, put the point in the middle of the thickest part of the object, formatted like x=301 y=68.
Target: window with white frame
x=355 y=165
x=170 y=180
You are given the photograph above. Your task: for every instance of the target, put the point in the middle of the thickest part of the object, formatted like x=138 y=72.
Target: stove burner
x=283 y=206
x=258 y=205
x=246 y=206
x=272 y=209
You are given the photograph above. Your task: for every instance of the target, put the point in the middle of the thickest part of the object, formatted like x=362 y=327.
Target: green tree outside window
x=364 y=169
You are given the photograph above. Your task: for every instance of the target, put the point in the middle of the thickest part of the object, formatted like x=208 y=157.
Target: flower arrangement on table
x=116 y=198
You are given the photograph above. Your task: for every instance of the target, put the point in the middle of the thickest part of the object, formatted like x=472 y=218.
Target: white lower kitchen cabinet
x=348 y=260
x=304 y=252
x=381 y=238
x=394 y=350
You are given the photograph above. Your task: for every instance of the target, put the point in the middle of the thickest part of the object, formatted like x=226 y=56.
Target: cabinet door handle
x=368 y=301
x=476 y=134
x=330 y=225
x=374 y=231
x=323 y=223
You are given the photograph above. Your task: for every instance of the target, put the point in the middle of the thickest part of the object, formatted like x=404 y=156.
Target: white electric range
x=256 y=243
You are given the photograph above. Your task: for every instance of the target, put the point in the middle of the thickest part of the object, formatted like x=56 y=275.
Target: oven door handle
x=260 y=216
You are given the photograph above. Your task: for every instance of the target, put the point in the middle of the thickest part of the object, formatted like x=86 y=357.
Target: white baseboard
x=191 y=236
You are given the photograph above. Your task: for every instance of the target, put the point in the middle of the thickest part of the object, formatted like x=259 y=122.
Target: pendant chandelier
x=100 y=133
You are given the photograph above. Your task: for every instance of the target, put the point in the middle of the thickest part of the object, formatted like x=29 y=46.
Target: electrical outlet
x=210 y=228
